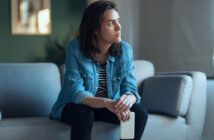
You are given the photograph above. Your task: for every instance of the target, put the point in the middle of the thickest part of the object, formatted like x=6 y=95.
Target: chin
x=118 y=40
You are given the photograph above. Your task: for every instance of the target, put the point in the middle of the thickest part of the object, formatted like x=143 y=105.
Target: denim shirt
x=82 y=76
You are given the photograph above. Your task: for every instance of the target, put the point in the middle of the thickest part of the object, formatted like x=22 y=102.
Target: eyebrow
x=108 y=20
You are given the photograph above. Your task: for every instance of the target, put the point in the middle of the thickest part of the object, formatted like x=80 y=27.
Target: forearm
x=96 y=102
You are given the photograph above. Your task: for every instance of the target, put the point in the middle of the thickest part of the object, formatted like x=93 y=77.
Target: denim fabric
x=82 y=76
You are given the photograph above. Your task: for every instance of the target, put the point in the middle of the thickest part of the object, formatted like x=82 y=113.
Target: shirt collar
x=111 y=58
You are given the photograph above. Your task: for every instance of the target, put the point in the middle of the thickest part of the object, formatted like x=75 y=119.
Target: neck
x=103 y=47
x=104 y=50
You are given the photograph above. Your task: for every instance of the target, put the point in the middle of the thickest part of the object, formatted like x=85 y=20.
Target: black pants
x=81 y=118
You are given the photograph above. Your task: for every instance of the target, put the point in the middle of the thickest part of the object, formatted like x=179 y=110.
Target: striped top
x=102 y=89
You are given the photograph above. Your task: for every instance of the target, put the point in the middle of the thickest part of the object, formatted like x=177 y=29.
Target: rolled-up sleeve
x=73 y=87
x=129 y=84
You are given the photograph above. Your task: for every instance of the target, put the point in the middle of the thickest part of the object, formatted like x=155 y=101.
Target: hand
x=124 y=103
x=124 y=116
x=109 y=104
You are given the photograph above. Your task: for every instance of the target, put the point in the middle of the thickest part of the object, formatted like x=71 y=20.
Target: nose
x=117 y=26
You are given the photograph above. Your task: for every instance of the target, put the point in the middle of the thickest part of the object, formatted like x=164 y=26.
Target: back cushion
x=28 y=89
x=167 y=94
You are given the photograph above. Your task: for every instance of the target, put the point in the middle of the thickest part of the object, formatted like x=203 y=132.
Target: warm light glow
x=31 y=17
x=23 y=12
x=44 y=21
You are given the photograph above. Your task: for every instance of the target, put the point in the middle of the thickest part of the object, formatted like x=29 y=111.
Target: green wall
x=65 y=14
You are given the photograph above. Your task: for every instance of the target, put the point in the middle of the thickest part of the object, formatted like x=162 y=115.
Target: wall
x=178 y=35
x=174 y=35
x=65 y=14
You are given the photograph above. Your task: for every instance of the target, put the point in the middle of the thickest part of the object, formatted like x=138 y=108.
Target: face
x=110 y=31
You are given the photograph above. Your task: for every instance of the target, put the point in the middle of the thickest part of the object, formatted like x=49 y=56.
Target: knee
x=84 y=118
x=83 y=109
x=140 y=112
x=84 y=114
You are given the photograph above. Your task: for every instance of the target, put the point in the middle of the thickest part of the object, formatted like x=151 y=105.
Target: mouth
x=118 y=35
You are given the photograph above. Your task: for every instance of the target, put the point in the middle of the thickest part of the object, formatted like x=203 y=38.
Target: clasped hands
x=122 y=106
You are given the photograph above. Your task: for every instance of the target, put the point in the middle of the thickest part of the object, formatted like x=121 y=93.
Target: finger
x=122 y=104
x=118 y=108
x=118 y=116
x=119 y=100
x=123 y=116
x=129 y=115
x=126 y=106
x=126 y=116
x=129 y=106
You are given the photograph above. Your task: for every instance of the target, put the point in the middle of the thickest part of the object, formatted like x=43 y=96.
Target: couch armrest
x=167 y=94
x=195 y=116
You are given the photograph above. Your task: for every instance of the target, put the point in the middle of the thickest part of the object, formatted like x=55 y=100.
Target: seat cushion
x=44 y=129
x=167 y=94
x=40 y=128
x=161 y=127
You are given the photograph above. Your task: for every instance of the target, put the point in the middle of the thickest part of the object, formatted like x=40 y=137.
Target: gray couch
x=176 y=102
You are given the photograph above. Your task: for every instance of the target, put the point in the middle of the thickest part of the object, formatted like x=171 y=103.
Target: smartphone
x=127 y=128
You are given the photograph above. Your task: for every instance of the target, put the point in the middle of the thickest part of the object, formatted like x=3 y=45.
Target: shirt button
x=96 y=87
x=97 y=74
x=108 y=75
x=118 y=78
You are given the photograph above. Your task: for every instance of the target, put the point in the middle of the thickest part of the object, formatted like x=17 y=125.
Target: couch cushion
x=105 y=131
x=44 y=129
x=40 y=128
x=161 y=127
x=167 y=94
x=28 y=89
x=143 y=69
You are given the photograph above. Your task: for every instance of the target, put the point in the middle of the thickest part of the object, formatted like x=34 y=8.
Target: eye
x=110 y=23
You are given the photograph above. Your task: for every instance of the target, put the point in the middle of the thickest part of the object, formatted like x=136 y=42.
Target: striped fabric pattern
x=102 y=89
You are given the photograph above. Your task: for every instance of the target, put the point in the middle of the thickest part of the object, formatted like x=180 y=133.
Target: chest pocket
x=116 y=82
x=88 y=81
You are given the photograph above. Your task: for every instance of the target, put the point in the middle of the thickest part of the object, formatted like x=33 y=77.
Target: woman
x=99 y=83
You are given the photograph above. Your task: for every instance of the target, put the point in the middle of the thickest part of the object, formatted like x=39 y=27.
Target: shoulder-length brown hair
x=91 y=22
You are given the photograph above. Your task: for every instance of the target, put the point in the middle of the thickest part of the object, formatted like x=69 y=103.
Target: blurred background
x=65 y=20
x=174 y=35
